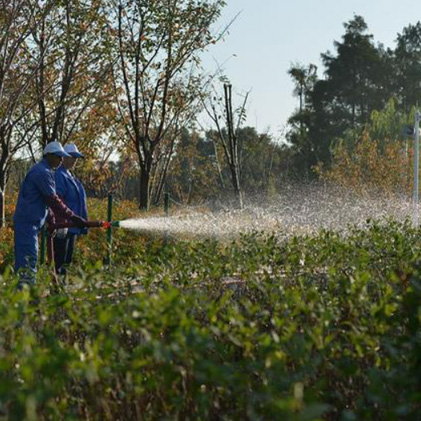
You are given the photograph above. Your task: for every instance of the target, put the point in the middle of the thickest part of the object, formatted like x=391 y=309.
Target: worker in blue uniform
x=37 y=196
x=72 y=193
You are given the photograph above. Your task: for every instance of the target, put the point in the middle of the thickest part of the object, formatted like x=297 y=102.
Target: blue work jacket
x=71 y=191
x=38 y=185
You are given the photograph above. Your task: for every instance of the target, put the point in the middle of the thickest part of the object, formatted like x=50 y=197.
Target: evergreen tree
x=353 y=75
x=356 y=82
x=408 y=66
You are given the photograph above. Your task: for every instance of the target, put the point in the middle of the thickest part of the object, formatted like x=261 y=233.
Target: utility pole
x=416 y=164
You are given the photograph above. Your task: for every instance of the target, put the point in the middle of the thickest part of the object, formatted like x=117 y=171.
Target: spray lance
x=89 y=224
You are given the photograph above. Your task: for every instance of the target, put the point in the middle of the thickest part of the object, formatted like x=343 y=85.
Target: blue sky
x=269 y=35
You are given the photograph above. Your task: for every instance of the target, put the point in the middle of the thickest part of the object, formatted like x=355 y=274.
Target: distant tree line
x=198 y=173
x=122 y=79
x=360 y=83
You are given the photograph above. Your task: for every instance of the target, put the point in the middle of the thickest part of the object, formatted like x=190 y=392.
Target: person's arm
x=60 y=209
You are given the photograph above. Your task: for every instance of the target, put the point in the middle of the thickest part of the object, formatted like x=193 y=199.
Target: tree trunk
x=233 y=145
x=218 y=166
x=237 y=186
x=3 y=185
x=4 y=161
x=2 y=208
x=144 y=188
x=162 y=176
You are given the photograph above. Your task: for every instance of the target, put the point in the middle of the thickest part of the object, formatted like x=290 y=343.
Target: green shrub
x=323 y=327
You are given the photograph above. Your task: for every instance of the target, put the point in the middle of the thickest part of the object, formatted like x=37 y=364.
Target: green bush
x=324 y=327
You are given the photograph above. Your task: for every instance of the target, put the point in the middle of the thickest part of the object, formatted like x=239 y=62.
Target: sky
x=269 y=35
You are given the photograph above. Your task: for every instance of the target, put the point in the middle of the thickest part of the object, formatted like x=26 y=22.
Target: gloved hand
x=79 y=222
x=62 y=232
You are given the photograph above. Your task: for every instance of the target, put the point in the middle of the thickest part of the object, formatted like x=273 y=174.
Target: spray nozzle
x=108 y=224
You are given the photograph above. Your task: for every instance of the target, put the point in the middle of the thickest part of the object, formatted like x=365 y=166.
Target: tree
x=354 y=74
x=380 y=160
x=228 y=139
x=356 y=82
x=158 y=53
x=193 y=176
x=304 y=78
x=15 y=76
x=390 y=123
x=69 y=40
x=194 y=171
x=408 y=66
x=260 y=160
x=368 y=167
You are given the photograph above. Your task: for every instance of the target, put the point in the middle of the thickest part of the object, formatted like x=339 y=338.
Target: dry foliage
x=385 y=167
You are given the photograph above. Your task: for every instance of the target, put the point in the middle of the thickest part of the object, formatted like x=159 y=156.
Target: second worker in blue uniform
x=71 y=192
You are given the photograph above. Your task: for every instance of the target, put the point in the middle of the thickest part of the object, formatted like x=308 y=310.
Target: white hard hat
x=72 y=150
x=55 y=148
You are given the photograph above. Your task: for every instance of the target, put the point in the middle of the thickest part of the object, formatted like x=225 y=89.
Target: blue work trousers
x=63 y=252
x=26 y=251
